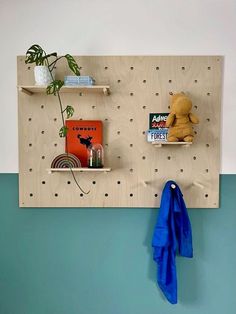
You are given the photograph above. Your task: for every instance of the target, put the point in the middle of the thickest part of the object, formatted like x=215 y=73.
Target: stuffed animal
x=180 y=118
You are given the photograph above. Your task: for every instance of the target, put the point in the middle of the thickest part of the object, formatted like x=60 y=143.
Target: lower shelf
x=51 y=170
x=160 y=144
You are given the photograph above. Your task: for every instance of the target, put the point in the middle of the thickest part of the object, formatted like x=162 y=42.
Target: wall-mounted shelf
x=160 y=144
x=51 y=170
x=32 y=89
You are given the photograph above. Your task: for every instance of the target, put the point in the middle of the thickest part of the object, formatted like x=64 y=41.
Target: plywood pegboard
x=139 y=85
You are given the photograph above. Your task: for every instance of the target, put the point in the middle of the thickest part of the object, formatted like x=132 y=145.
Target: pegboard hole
x=131 y=94
x=31 y=195
x=105 y=68
x=131 y=170
x=208 y=94
x=181 y=170
x=55 y=144
x=43 y=182
x=68 y=182
x=42 y=106
x=118 y=107
x=194 y=157
x=170 y=81
x=208 y=68
x=144 y=157
x=195 y=81
x=156 y=170
x=118 y=81
x=157 y=68
x=106 y=194
x=131 y=120
x=106 y=119
x=208 y=119
x=43 y=157
x=171 y=93
x=56 y=195
x=30 y=119
x=156 y=195
x=28 y=68
x=118 y=182
x=81 y=94
x=144 y=81
x=195 y=107
x=30 y=144
x=93 y=107
x=131 y=195
x=42 y=132
x=119 y=157
x=206 y=195
x=144 y=107
x=157 y=94
x=130 y=145
x=183 y=68
x=144 y=132
x=81 y=119
x=94 y=182
x=169 y=157
x=118 y=132
x=168 y=107
x=55 y=119
x=81 y=195
x=207 y=145
x=30 y=169
x=131 y=68
x=195 y=132
x=106 y=145
x=207 y=170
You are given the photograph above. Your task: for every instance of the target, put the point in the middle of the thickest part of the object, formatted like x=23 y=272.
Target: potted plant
x=35 y=54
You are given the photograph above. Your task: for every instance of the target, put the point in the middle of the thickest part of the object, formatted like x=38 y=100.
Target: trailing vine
x=35 y=54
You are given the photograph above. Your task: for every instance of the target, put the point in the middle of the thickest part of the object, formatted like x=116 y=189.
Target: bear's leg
x=172 y=139
x=188 y=138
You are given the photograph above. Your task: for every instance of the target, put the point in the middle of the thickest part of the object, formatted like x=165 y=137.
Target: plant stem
x=63 y=120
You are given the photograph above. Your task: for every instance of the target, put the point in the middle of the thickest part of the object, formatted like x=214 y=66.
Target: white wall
x=116 y=27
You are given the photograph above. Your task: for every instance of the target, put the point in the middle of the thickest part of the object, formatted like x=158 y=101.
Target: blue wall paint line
x=99 y=261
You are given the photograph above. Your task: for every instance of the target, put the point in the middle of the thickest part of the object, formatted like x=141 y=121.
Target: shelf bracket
x=106 y=91
x=26 y=91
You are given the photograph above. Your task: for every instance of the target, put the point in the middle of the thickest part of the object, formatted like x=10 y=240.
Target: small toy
x=180 y=119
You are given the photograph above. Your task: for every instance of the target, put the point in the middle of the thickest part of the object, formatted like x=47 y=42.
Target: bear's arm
x=194 y=119
x=170 y=120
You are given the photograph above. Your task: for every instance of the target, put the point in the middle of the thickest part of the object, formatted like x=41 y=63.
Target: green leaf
x=69 y=111
x=54 y=87
x=35 y=55
x=63 y=131
x=72 y=64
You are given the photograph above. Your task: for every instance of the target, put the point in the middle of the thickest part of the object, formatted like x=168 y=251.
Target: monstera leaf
x=34 y=55
x=54 y=87
x=72 y=64
x=69 y=111
x=63 y=131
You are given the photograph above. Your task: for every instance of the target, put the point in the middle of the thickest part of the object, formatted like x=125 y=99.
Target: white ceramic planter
x=42 y=75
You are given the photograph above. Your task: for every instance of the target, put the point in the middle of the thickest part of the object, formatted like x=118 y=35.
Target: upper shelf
x=32 y=89
x=160 y=144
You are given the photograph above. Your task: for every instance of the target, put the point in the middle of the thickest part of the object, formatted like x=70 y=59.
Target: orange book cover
x=80 y=134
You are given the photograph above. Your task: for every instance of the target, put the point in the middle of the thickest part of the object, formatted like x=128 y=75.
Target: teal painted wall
x=98 y=261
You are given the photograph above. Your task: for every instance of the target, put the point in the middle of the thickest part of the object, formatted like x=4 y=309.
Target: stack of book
x=157 y=127
x=73 y=80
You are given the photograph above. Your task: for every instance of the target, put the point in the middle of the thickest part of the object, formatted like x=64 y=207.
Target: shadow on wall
x=188 y=270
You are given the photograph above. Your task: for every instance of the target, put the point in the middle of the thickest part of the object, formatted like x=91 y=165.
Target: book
x=80 y=135
x=158 y=131
x=157 y=120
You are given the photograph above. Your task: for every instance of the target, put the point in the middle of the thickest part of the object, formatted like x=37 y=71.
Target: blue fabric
x=172 y=234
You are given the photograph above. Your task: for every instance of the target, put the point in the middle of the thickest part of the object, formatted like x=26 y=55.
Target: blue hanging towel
x=172 y=233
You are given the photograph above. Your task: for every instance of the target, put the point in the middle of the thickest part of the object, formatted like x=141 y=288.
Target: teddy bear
x=180 y=119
